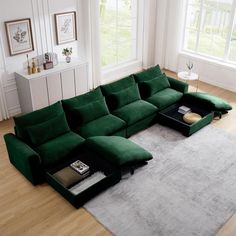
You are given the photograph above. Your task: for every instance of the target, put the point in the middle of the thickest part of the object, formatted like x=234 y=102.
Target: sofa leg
x=131 y=170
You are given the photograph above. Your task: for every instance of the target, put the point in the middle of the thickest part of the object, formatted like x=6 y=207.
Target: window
x=118 y=26
x=210 y=28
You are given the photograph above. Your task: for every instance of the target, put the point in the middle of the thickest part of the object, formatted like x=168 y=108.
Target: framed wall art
x=19 y=36
x=65 y=27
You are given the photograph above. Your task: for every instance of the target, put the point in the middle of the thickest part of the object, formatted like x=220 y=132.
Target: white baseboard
x=216 y=83
x=14 y=111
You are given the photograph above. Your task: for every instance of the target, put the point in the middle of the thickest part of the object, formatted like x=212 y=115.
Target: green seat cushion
x=212 y=102
x=123 y=97
x=47 y=130
x=59 y=148
x=73 y=103
x=118 y=150
x=91 y=111
x=148 y=74
x=135 y=111
x=165 y=98
x=150 y=87
x=35 y=117
x=117 y=86
x=106 y=125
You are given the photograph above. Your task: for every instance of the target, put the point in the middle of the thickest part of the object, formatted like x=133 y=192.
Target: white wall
x=41 y=13
x=212 y=72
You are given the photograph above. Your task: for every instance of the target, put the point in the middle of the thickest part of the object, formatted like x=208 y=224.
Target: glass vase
x=68 y=59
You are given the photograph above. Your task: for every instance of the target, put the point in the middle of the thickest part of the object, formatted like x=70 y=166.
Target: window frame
x=114 y=71
x=232 y=21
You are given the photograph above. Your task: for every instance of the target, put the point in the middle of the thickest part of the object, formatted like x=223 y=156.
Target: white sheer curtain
x=4 y=114
x=169 y=32
x=3 y=106
x=93 y=41
x=149 y=33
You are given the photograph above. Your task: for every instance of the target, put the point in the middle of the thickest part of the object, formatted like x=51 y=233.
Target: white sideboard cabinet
x=64 y=81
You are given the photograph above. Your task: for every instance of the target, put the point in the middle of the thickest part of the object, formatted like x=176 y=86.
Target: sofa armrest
x=178 y=85
x=24 y=158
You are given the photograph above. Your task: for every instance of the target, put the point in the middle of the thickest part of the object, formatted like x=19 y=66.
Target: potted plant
x=67 y=52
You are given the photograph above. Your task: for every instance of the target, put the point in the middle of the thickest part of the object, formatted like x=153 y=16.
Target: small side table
x=185 y=75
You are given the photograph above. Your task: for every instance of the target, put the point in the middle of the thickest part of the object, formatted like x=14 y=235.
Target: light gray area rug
x=189 y=188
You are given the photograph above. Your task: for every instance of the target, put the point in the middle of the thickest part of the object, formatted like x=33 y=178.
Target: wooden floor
x=30 y=210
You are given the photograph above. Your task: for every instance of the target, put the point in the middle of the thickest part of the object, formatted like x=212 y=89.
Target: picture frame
x=19 y=36
x=65 y=24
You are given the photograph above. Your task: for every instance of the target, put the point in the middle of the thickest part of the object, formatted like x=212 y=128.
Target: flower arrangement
x=67 y=51
x=189 y=65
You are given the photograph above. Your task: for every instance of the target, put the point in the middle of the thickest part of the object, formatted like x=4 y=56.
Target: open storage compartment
x=171 y=117
x=101 y=176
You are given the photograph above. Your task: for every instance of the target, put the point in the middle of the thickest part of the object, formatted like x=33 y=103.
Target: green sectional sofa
x=87 y=127
x=49 y=136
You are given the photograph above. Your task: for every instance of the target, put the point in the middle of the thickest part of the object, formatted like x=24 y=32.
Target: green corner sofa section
x=42 y=139
x=48 y=136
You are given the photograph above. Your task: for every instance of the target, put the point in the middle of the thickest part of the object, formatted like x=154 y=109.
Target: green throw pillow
x=123 y=97
x=155 y=85
x=91 y=111
x=148 y=74
x=45 y=131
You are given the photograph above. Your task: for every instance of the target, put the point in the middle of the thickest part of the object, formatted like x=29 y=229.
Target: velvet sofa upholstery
x=98 y=123
x=115 y=109
x=121 y=152
x=211 y=102
x=124 y=101
x=158 y=89
x=32 y=151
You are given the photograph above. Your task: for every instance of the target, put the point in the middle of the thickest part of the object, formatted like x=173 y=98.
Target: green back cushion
x=118 y=85
x=207 y=100
x=45 y=131
x=148 y=74
x=123 y=97
x=73 y=103
x=35 y=117
x=150 y=87
x=91 y=111
x=121 y=92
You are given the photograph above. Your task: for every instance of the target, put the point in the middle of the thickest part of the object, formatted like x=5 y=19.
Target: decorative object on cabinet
x=67 y=52
x=48 y=64
x=38 y=66
x=29 y=69
x=65 y=27
x=19 y=36
x=34 y=68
